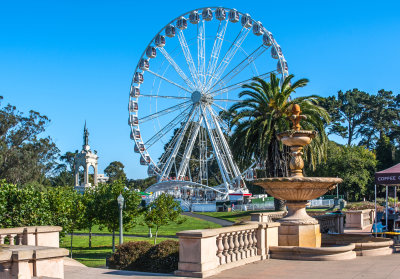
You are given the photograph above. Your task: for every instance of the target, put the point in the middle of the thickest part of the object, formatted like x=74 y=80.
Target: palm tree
x=263 y=113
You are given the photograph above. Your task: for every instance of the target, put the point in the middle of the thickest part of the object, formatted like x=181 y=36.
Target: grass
x=233 y=216
x=102 y=245
x=239 y=216
x=190 y=223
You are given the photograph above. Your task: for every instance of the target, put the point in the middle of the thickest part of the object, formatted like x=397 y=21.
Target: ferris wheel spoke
x=221 y=122
x=171 y=159
x=164 y=130
x=228 y=57
x=165 y=111
x=219 y=39
x=227 y=100
x=237 y=85
x=201 y=51
x=167 y=80
x=241 y=66
x=188 y=57
x=176 y=67
x=166 y=97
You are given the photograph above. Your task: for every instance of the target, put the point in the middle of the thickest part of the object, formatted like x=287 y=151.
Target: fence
x=321 y=203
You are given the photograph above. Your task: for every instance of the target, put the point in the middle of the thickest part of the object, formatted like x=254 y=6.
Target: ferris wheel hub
x=196 y=97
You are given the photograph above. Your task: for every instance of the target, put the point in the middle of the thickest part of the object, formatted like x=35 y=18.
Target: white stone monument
x=85 y=158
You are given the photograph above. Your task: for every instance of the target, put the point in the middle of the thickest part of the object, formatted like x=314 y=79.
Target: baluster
x=2 y=239
x=255 y=241
x=220 y=249
x=246 y=244
x=20 y=238
x=11 y=239
x=250 y=248
x=241 y=245
x=236 y=241
x=226 y=249
x=231 y=247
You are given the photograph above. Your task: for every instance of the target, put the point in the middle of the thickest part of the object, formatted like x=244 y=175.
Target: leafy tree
x=264 y=113
x=24 y=156
x=115 y=171
x=348 y=112
x=91 y=211
x=385 y=153
x=161 y=212
x=383 y=119
x=354 y=164
x=75 y=213
x=141 y=184
x=107 y=206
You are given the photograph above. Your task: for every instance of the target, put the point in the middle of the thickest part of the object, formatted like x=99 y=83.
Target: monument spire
x=85 y=135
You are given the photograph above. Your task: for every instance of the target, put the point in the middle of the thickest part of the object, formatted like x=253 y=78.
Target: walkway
x=218 y=221
x=382 y=267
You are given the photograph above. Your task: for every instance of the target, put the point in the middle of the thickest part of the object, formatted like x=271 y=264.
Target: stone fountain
x=298 y=228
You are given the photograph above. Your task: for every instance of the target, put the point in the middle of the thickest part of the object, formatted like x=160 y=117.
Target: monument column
x=95 y=182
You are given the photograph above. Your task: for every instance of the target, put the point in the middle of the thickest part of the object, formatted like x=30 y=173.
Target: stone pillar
x=76 y=175
x=95 y=182
x=86 y=176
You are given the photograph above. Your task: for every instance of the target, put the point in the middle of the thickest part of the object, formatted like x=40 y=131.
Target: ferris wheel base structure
x=188 y=76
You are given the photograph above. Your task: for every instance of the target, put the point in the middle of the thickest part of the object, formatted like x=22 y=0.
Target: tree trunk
x=113 y=241
x=155 y=238
x=70 y=250
x=90 y=237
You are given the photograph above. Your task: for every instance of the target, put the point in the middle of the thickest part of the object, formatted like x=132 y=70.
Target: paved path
x=382 y=267
x=221 y=222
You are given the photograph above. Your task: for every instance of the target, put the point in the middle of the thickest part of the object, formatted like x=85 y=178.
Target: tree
x=385 y=153
x=115 y=171
x=161 y=212
x=24 y=156
x=348 y=113
x=107 y=206
x=354 y=164
x=91 y=211
x=264 y=113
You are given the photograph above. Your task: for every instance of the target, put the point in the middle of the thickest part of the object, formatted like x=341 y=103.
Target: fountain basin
x=335 y=253
x=296 y=138
x=365 y=245
x=297 y=188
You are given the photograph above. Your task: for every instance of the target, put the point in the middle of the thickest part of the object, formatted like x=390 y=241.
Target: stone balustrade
x=203 y=253
x=34 y=236
x=333 y=223
x=359 y=219
x=28 y=252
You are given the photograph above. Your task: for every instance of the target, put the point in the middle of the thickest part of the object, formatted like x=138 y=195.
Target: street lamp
x=120 y=200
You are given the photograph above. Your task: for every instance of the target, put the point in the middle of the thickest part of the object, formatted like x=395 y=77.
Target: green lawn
x=102 y=245
x=190 y=223
x=234 y=216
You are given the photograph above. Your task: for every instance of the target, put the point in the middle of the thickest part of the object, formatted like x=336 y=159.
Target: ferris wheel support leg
x=171 y=159
x=218 y=156
x=188 y=151
x=225 y=144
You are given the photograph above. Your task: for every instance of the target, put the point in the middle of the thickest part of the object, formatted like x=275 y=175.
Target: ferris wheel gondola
x=185 y=81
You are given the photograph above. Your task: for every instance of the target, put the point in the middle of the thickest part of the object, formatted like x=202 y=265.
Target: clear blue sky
x=73 y=60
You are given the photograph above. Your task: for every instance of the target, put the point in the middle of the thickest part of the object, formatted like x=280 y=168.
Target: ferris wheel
x=188 y=76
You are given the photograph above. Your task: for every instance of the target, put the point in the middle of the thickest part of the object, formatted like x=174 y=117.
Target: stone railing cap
x=268 y=213
x=44 y=229
x=215 y=232
x=27 y=252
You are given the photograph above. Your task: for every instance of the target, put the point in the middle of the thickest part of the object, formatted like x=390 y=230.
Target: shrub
x=129 y=254
x=163 y=257
x=142 y=256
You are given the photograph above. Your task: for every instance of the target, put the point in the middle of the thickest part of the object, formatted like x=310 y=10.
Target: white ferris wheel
x=190 y=73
